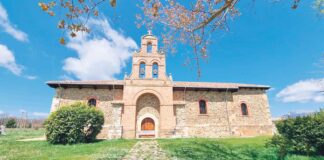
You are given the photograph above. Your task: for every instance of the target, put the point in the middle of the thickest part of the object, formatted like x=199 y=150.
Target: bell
x=142 y=71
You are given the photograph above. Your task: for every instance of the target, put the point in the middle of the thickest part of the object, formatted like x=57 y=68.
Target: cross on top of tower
x=149 y=32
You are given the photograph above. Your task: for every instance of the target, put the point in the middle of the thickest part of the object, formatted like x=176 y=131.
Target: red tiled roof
x=201 y=85
x=217 y=85
x=55 y=84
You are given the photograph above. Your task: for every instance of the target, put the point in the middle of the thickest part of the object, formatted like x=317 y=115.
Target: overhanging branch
x=216 y=14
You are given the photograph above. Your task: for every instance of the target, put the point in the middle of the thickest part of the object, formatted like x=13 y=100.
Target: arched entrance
x=147 y=128
x=147 y=116
x=147 y=124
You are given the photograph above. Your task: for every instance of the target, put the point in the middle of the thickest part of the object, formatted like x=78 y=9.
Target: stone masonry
x=173 y=107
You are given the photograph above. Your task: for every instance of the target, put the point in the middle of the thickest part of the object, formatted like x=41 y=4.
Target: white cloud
x=7 y=60
x=65 y=77
x=22 y=110
x=40 y=114
x=101 y=55
x=272 y=89
x=1 y=112
x=304 y=111
x=31 y=77
x=9 y=28
x=310 y=90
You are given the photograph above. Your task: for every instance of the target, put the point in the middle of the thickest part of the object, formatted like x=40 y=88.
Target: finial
x=149 y=32
x=125 y=75
x=170 y=76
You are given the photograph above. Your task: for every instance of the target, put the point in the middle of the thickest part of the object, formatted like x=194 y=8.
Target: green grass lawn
x=224 y=149
x=192 y=148
x=12 y=149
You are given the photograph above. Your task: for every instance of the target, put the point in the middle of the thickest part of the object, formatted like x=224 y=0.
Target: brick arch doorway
x=147 y=116
x=148 y=126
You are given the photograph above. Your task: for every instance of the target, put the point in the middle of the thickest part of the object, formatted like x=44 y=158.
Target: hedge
x=300 y=135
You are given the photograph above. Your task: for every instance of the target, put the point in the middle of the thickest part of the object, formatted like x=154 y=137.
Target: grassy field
x=224 y=149
x=12 y=149
x=193 y=148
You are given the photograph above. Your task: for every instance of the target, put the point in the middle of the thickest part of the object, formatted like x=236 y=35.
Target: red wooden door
x=148 y=124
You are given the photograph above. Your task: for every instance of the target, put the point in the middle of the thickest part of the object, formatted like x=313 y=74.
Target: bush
x=281 y=144
x=76 y=123
x=301 y=135
x=11 y=123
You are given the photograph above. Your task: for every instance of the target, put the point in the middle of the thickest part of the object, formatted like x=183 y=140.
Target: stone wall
x=224 y=117
x=105 y=102
x=148 y=103
x=258 y=121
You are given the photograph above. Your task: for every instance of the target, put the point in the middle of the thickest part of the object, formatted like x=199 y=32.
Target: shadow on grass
x=92 y=142
x=205 y=149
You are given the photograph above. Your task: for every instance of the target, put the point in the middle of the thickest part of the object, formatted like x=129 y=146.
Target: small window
x=244 y=109
x=202 y=107
x=149 y=47
x=155 y=71
x=142 y=70
x=92 y=102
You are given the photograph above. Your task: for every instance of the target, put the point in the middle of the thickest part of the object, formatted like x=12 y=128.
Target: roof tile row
x=212 y=85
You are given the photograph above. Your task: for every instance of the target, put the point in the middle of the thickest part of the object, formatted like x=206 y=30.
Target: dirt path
x=146 y=150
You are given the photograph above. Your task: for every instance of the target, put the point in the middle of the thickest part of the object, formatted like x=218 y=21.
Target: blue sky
x=269 y=43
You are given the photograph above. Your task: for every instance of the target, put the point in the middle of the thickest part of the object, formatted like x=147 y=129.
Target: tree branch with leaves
x=190 y=22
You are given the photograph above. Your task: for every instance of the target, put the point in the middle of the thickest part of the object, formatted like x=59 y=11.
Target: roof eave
x=204 y=88
x=256 y=87
x=53 y=84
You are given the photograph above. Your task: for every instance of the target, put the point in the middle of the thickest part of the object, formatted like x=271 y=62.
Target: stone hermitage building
x=148 y=103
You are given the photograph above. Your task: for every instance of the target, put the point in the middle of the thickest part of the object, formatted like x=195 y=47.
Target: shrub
x=301 y=135
x=281 y=144
x=76 y=123
x=11 y=123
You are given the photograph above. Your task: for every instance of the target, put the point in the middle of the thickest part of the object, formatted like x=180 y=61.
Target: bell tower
x=148 y=78
x=148 y=62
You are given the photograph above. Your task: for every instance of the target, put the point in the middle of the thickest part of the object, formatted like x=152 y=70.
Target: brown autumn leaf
x=96 y=13
x=155 y=9
x=51 y=13
x=62 y=41
x=73 y=34
x=61 y=24
x=52 y=4
x=43 y=6
x=113 y=3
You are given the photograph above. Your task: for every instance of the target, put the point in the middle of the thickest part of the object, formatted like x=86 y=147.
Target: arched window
x=142 y=70
x=202 y=107
x=149 y=47
x=155 y=71
x=92 y=102
x=244 y=109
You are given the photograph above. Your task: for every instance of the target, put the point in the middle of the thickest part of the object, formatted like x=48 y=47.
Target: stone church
x=149 y=104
